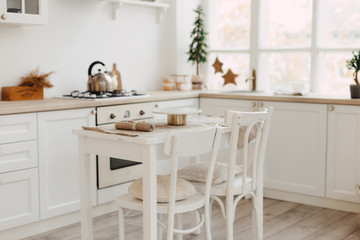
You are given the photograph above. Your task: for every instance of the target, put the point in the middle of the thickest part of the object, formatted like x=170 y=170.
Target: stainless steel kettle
x=101 y=81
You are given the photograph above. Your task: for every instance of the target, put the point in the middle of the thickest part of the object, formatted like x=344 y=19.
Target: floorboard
x=282 y=221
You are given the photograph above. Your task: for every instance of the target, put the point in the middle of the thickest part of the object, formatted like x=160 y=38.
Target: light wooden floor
x=282 y=221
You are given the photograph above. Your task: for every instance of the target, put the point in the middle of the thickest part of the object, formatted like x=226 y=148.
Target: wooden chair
x=253 y=128
x=180 y=143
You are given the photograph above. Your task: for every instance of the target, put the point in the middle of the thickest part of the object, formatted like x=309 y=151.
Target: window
x=229 y=39
x=287 y=41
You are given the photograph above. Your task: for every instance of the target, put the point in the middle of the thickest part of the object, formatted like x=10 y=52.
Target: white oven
x=113 y=171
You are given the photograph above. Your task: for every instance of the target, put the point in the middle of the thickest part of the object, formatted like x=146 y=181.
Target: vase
x=197 y=78
x=197 y=82
x=355 y=91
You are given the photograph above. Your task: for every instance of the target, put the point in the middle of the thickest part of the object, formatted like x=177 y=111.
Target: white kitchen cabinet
x=18 y=142
x=18 y=127
x=296 y=151
x=189 y=102
x=58 y=160
x=343 y=152
x=23 y=11
x=19 y=194
x=19 y=201
x=17 y=156
x=218 y=107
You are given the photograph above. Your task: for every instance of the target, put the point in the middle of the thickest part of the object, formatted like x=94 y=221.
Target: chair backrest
x=248 y=128
x=190 y=143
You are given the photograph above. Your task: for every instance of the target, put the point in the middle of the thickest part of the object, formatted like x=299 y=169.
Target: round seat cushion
x=184 y=189
x=198 y=172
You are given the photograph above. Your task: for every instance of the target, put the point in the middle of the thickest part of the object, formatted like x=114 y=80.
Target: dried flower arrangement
x=35 y=79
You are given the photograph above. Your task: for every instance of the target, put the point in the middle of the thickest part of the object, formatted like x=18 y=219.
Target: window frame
x=258 y=9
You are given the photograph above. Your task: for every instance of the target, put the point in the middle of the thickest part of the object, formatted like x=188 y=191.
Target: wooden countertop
x=258 y=96
x=52 y=104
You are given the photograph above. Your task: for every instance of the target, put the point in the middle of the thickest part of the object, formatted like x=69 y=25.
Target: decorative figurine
x=229 y=77
x=218 y=66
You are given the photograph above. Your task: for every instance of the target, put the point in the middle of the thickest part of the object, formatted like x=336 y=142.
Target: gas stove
x=104 y=95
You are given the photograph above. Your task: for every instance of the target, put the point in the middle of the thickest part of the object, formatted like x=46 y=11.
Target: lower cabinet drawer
x=19 y=201
x=18 y=127
x=18 y=156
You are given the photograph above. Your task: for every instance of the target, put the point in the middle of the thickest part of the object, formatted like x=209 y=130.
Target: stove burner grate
x=102 y=95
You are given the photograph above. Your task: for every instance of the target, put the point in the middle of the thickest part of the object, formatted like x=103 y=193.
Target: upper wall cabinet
x=23 y=11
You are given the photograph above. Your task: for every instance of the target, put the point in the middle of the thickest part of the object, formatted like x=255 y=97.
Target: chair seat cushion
x=220 y=189
x=198 y=172
x=184 y=189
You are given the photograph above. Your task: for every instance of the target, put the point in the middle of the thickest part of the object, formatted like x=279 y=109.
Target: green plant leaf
x=198 y=47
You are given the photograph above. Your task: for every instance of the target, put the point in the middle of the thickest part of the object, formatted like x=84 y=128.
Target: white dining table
x=146 y=147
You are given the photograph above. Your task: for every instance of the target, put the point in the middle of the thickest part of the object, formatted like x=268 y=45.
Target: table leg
x=149 y=190
x=85 y=192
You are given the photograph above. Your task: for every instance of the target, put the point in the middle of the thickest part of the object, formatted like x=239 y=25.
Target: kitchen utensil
x=135 y=126
x=101 y=81
x=117 y=76
x=96 y=129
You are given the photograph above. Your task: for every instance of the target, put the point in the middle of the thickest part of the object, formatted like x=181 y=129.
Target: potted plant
x=197 y=49
x=354 y=63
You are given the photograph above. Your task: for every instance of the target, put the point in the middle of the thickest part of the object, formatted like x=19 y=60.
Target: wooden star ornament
x=229 y=77
x=218 y=65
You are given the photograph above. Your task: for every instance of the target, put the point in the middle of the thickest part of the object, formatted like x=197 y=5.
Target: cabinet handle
x=93 y=112
x=253 y=104
x=331 y=108
x=3 y=16
x=261 y=104
x=156 y=105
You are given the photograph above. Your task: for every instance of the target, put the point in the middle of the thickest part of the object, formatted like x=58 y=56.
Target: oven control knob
x=112 y=116
x=127 y=114
x=142 y=112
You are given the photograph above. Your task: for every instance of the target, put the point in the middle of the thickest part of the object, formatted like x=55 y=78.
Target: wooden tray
x=21 y=93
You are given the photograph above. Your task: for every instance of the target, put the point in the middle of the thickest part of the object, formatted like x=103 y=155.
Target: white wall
x=184 y=20
x=82 y=31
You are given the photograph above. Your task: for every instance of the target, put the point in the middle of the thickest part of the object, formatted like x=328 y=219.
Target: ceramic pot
x=176 y=119
x=197 y=82
x=355 y=91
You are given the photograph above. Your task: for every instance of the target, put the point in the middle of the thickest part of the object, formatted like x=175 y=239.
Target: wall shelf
x=117 y=4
